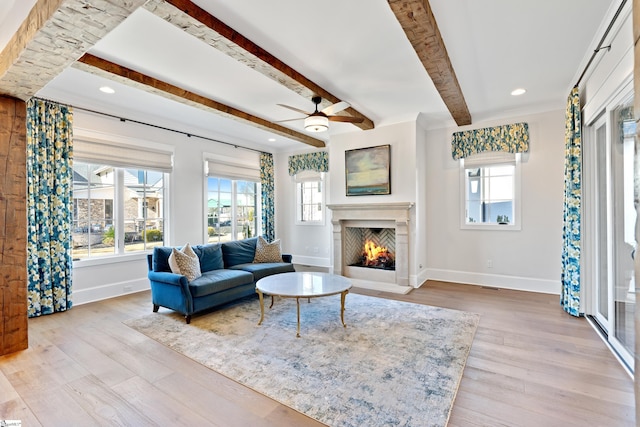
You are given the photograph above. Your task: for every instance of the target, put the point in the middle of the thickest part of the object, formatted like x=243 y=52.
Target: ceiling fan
x=318 y=121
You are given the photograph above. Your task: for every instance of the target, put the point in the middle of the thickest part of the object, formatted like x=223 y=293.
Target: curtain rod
x=600 y=47
x=188 y=134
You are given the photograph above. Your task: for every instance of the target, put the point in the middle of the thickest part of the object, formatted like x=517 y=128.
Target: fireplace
x=386 y=226
x=370 y=247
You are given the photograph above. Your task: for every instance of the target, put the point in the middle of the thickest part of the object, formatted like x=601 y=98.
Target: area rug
x=395 y=364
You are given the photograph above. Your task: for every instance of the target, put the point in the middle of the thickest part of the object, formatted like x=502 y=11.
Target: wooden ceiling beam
x=419 y=24
x=190 y=18
x=53 y=35
x=102 y=67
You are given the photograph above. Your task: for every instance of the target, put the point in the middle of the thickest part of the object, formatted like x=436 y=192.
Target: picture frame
x=368 y=171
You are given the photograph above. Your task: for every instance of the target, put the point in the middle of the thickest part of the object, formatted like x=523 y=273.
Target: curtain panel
x=267 y=186
x=571 y=239
x=318 y=162
x=49 y=206
x=512 y=138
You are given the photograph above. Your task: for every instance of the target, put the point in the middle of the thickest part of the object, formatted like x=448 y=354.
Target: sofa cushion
x=218 y=280
x=267 y=252
x=239 y=252
x=265 y=269
x=210 y=256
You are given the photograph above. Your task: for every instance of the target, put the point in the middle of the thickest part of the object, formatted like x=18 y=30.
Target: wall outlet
x=489 y=263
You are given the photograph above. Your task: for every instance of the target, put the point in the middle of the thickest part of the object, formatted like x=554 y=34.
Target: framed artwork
x=368 y=170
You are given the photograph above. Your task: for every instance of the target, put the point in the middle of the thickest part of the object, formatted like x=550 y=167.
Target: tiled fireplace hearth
x=391 y=221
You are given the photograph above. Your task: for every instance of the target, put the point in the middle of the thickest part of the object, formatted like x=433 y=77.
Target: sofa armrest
x=168 y=278
x=287 y=258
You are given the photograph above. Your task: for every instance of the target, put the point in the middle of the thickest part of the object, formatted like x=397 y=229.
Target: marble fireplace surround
x=374 y=215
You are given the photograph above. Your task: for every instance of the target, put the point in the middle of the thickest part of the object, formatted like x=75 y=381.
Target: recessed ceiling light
x=518 y=91
x=272 y=140
x=107 y=89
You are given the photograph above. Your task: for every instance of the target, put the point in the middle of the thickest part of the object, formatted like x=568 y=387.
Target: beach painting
x=368 y=170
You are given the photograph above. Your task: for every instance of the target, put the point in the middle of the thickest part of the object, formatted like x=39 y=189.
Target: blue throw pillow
x=210 y=256
x=239 y=251
x=161 y=258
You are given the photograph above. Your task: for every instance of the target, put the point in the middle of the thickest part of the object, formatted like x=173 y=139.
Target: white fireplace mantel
x=397 y=213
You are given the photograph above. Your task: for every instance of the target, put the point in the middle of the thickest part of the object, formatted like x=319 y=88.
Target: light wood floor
x=530 y=365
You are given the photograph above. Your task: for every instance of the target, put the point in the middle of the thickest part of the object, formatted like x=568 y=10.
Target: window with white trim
x=490 y=193
x=118 y=198
x=233 y=201
x=309 y=198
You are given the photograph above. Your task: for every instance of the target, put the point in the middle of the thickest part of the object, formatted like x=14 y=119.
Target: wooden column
x=636 y=195
x=13 y=225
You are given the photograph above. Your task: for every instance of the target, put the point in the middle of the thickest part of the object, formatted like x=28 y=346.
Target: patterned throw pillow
x=185 y=262
x=267 y=252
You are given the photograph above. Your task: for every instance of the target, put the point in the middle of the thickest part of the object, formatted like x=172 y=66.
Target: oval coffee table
x=303 y=285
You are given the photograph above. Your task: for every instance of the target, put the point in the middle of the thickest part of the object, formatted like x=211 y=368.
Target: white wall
x=527 y=259
x=401 y=137
x=310 y=245
x=107 y=277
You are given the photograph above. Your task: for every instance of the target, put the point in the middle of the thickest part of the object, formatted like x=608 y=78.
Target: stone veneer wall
x=13 y=226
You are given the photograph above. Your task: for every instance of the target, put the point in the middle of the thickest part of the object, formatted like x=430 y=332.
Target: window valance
x=512 y=138
x=318 y=161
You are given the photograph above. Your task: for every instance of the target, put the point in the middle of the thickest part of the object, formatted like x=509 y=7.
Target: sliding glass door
x=611 y=154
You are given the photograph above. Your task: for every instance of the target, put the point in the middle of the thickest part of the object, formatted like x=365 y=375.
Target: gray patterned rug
x=396 y=363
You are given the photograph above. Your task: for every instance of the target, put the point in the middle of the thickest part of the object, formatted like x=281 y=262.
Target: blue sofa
x=228 y=273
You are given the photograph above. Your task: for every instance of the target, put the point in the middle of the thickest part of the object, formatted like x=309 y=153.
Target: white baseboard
x=112 y=290
x=494 y=280
x=311 y=261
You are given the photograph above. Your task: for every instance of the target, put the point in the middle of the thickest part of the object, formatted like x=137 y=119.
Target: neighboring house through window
x=136 y=223
x=309 y=197
x=490 y=193
x=119 y=196
x=233 y=209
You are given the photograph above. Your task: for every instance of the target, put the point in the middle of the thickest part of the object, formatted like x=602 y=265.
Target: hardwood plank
x=17 y=409
x=104 y=404
x=541 y=368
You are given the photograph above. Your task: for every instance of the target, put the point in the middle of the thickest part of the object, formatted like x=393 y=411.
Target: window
x=232 y=209
x=116 y=210
x=490 y=194
x=309 y=198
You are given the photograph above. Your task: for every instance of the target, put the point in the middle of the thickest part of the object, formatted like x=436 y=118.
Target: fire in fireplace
x=374 y=256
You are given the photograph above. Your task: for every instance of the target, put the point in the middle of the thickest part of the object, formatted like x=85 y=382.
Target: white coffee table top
x=303 y=284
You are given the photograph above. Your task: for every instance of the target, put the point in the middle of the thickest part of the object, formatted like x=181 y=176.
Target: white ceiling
x=355 y=49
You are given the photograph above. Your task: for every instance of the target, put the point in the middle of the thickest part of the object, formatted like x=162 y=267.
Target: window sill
x=491 y=227
x=109 y=259
x=317 y=223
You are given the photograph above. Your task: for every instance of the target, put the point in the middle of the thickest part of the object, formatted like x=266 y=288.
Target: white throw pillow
x=267 y=252
x=185 y=262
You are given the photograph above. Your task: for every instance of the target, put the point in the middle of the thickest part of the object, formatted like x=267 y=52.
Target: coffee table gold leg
x=298 y=305
x=261 y=308
x=343 y=296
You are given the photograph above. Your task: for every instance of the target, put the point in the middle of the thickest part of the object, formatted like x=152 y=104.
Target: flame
x=372 y=251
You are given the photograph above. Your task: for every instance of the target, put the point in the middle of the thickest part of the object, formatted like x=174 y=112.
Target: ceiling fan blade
x=294 y=109
x=346 y=119
x=335 y=108
x=289 y=120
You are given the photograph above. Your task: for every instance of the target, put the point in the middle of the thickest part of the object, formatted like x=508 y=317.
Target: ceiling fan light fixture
x=316 y=123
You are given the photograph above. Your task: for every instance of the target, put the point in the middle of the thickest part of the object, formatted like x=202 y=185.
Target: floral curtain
x=570 y=276
x=318 y=161
x=508 y=138
x=266 y=181
x=49 y=206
